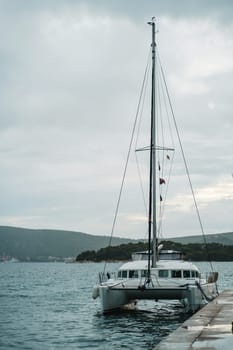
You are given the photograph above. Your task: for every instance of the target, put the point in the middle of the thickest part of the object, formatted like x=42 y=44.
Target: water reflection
x=141 y=328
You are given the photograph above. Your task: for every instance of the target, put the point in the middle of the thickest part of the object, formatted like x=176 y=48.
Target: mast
x=152 y=222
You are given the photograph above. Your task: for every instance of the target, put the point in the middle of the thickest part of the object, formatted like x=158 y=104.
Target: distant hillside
x=220 y=238
x=38 y=245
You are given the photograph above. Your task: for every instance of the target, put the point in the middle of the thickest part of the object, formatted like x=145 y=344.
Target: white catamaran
x=155 y=274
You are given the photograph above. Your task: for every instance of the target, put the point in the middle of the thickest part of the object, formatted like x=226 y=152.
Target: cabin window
x=195 y=274
x=163 y=273
x=124 y=274
x=186 y=274
x=176 y=273
x=133 y=274
x=144 y=273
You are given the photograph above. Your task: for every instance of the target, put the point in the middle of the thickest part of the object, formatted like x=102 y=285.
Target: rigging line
x=165 y=102
x=143 y=97
x=161 y=92
x=127 y=161
x=142 y=189
x=159 y=157
x=163 y=97
x=141 y=183
x=160 y=112
x=159 y=122
x=138 y=130
x=166 y=191
x=186 y=168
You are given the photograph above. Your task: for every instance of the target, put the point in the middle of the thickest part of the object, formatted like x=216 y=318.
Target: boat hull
x=192 y=296
x=112 y=299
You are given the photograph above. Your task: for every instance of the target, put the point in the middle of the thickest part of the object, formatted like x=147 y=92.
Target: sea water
x=49 y=306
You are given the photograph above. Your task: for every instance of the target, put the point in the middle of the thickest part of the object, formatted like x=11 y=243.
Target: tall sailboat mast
x=152 y=222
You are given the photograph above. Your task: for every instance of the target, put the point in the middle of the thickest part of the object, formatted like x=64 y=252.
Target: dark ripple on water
x=49 y=306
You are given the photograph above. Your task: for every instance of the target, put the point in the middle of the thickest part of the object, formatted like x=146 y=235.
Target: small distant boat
x=155 y=274
x=13 y=260
x=8 y=259
x=70 y=260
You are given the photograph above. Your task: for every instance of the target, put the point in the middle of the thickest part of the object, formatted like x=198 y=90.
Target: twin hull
x=170 y=280
x=117 y=297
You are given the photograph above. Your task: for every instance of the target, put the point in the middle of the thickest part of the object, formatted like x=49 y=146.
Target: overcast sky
x=71 y=73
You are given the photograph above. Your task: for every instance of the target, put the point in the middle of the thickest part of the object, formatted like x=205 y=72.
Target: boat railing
x=211 y=277
x=104 y=276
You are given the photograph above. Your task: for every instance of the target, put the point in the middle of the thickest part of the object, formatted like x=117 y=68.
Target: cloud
x=70 y=79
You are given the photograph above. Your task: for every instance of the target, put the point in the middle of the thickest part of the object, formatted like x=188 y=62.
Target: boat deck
x=210 y=328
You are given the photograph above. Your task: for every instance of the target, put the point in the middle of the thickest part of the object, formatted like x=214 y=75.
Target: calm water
x=49 y=306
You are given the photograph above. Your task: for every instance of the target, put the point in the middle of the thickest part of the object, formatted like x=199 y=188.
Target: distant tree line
x=192 y=251
x=120 y=252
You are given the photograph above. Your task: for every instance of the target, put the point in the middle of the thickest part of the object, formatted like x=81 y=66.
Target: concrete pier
x=210 y=328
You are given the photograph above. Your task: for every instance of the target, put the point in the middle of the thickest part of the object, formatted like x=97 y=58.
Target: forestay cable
x=127 y=158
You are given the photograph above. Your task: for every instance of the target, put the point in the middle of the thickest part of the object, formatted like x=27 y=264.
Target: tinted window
x=176 y=273
x=144 y=273
x=124 y=274
x=186 y=274
x=163 y=273
x=133 y=274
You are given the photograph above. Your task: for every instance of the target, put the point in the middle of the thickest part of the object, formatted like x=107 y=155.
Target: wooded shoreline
x=192 y=251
